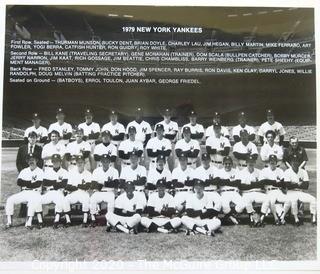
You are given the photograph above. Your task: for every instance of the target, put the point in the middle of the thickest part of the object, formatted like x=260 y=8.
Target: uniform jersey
x=154 y=175
x=158 y=203
x=102 y=149
x=219 y=144
x=129 y=174
x=169 y=128
x=142 y=129
x=290 y=176
x=128 y=146
x=210 y=131
x=88 y=129
x=231 y=175
x=123 y=202
x=156 y=144
x=204 y=174
x=195 y=129
x=58 y=176
x=188 y=146
x=75 y=149
x=115 y=130
x=248 y=177
x=267 y=150
x=193 y=202
x=250 y=148
x=62 y=129
x=41 y=132
x=268 y=174
x=75 y=177
x=183 y=175
x=236 y=130
x=276 y=127
x=31 y=175
x=100 y=176
x=50 y=149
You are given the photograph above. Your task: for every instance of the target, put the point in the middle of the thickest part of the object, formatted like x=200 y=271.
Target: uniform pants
x=56 y=197
x=114 y=219
x=78 y=196
x=295 y=196
x=256 y=197
x=276 y=195
x=146 y=222
x=99 y=197
x=232 y=196
x=212 y=224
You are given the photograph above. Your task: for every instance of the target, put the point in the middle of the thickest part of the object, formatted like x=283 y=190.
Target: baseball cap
x=134 y=153
x=161 y=157
x=241 y=114
x=31 y=156
x=33 y=134
x=88 y=112
x=60 y=111
x=106 y=133
x=216 y=114
x=105 y=157
x=183 y=155
x=35 y=116
x=269 y=111
x=167 y=111
x=161 y=183
x=113 y=112
x=227 y=159
x=186 y=129
x=250 y=158
x=159 y=126
x=129 y=184
x=132 y=128
x=56 y=157
x=198 y=182
x=243 y=131
x=139 y=110
x=205 y=156
x=78 y=130
x=79 y=158
x=192 y=113
x=273 y=157
x=216 y=124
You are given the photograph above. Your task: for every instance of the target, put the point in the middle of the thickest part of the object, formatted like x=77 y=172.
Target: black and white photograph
x=158 y=133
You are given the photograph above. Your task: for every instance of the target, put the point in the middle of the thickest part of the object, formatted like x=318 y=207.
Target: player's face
x=160 y=164
x=193 y=120
x=88 y=118
x=54 y=138
x=273 y=164
x=105 y=138
x=79 y=136
x=160 y=132
x=130 y=190
x=167 y=117
x=32 y=140
x=198 y=189
x=217 y=130
x=270 y=139
x=56 y=163
x=216 y=119
x=244 y=137
x=206 y=163
x=161 y=191
x=227 y=165
x=32 y=162
x=134 y=160
x=251 y=165
x=138 y=117
x=114 y=118
x=183 y=162
x=132 y=134
x=60 y=117
x=294 y=143
x=270 y=118
x=36 y=122
x=242 y=120
x=187 y=135
x=80 y=165
x=105 y=163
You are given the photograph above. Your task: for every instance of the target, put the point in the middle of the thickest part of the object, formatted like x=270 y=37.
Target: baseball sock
x=93 y=217
x=313 y=218
x=85 y=217
x=57 y=217
x=39 y=216
x=9 y=219
x=29 y=221
x=262 y=217
x=67 y=217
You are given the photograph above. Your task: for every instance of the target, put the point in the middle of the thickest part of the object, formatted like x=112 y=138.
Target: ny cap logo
x=144 y=130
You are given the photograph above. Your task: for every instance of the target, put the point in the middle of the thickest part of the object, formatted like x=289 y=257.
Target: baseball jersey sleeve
x=119 y=202
x=151 y=200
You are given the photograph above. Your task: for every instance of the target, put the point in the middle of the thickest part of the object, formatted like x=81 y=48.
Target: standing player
x=252 y=190
x=143 y=128
x=42 y=133
x=188 y=146
x=295 y=150
x=127 y=211
x=79 y=183
x=201 y=217
x=217 y=146
x=106 y=147
x=217 y=120
x=128 y=146
x=243 y=149
x=170 y=127
x=54 y=147
x=271 y=148
x=243 y=126
x=91 y=130
x=272 y=179
x=161 y=211
x=115 y=128
x=229 y=190
x=64 y=129
x=197 y=130
x=297 y=182
x=105 y=181
x=30 y=180
x=54 y=182
x=158 y=146
x=77 y=147
x=274 y=126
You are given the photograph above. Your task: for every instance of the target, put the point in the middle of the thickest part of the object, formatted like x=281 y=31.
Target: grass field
x=76 y=243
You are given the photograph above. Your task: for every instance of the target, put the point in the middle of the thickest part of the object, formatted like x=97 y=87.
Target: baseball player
x=243 y=125
x=54 y=147
x=64 y=129
x=209 y=175
x=271 y=124
x=271 y=148
x=217 y=120
x=253 y=190
x=42 y=133
x=197 y=130
x=200 y=216
x=295 y=150
x=170 y=127
x=91 y=130
x=297 y=181
x=127 y=211
x=30 y=180
x=79 y=182
x=188 y=146
x=272 y=179
x=77 y=147
x=182 y=181
x=161 y=211
x=106 y=147
x=138 y=175
x=54 y=182
x=128 y=146
x=105 y=180
x=229 y=184
x=158 y=145
x=217 y=146
x=116 y=129
x=243 y=149
x=143 y=128
x=160 y=172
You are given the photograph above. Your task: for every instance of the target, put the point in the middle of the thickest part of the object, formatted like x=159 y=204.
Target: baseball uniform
x=156 y=147
x=64 y=129
x=74 y=148
x=267 y=150
x=241 y=152
x=105 y=148
x=191 y=149
x=276 y=127
x=42 y=134
x=126 y=147
x=236 y=132
x=170 y=129
x=210 y=132
x=142 y=129
x=154 y=175
x=90 y=131
x=50 y=149
x=117 y=131
x=197 y=131
x=217 y=148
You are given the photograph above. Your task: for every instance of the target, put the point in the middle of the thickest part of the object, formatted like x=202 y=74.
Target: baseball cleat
x=67 y=224
x=133 y=231
x=210 y=233
x=108 y=228
x=55 y=225
x=93 y=224
x=29 y=227
x=218 y=230
x=297 y=223
x=7 y=226
x=190 y=232
x=314 y=223
x=162 y=230
x=277 y=223
x=40 y=225
x=84 y=225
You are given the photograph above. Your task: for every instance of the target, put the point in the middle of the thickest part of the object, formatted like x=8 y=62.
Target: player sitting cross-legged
x=161 y=210
x=200 y=212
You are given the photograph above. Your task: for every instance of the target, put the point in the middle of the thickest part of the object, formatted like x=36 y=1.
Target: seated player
x=182 y=182
x=229 y=184
x=77 y=147
x=54 y=182
x=197 y=130
x=297 y=182
x=30 y=180
x=138 y=175
x=160 y=172
x=127 y=211
x=209 y=175
x=217 y=146
x=253 y=190
x=161 y=211
x=296 y=150
x=201 y=216
x=210 y=132
x=42 y=133
x=115 y=128
x=188 y=146
x=272 y=179
x=105 y=181
x=271 y=148
x=243 y=125
x=79 y=183
x=128 y=146
x=243 y=149
x=106 y=147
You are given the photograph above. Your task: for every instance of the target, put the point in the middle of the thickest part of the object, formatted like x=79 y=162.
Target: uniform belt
x=31 y=189
x=48 y=165
x=272 y=188
x=210 y=190
x=184 y=189
x=243 y=165
x=230 y=190
x=128 y=164
x=252 y=190
x=216 y=162
x=140 y=190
